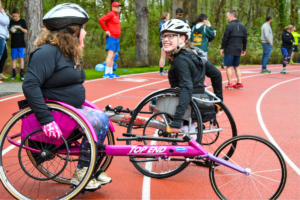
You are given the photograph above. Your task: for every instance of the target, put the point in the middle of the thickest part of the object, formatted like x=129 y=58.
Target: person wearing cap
x=110 y=23
x=179 y=14
x=55 y=73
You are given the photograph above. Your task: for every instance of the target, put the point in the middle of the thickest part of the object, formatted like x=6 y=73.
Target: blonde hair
x=289 y=27
x=164 y=15
x=66 y=40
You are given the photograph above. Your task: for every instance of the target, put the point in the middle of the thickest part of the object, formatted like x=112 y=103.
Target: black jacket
x=235 y=36
x=51 y=76
x=187 y=73
x=287 y=40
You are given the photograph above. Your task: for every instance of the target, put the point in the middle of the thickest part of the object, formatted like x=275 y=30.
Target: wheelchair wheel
x=155 y=126
x=258 y=156
x=44 y=181
x=109 y=140
x=217 y=131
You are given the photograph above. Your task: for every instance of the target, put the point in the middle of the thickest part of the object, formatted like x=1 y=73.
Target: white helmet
x=64 y=15
x=177 y=26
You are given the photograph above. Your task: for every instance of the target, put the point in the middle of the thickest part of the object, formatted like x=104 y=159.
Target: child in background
x=202 y=32
x=17 y=29
x=295 y=46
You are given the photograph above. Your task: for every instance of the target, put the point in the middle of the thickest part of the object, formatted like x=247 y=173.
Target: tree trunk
x=186 y=9
x=176 y=4
x=293 y=7
x=193 y=11
x=231 y=4
x=33 y=21
x=217 y=19
x=141 y=57
x=282 y=14
x=202 y=6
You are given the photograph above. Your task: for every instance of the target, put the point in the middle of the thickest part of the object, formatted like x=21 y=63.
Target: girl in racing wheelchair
x=55 y=73
x=188 y=70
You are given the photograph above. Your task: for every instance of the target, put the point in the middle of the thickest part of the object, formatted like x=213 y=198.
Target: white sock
x=110 y=70
x=106 y=70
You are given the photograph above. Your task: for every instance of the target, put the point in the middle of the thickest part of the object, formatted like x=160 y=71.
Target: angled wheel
x=158 y=110
x=22 y=186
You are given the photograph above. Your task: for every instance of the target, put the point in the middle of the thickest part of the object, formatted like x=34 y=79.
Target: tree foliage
x=250 y=12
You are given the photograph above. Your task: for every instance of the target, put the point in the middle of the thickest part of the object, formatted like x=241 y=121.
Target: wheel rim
x=266 y=166
x=22 y=186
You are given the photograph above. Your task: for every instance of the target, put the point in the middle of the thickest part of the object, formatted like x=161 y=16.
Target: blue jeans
x=2 y=46
x=267 y=48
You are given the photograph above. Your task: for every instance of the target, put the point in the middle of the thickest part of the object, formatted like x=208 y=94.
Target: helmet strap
x=178 y=46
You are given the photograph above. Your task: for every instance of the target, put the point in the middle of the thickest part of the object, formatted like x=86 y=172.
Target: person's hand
x=222 y=52
x=107 y=33
x=271 y=44
x=173 y=130
x=2 y=10
x=15 y=27
x=293 y=44
x=208 y=23
x=243 y=53
x=52 y=130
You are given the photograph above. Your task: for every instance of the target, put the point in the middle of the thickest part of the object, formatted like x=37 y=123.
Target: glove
x=52 y=130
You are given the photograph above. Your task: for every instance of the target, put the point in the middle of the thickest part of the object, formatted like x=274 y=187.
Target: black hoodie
x=187 y=73
x=287 y=40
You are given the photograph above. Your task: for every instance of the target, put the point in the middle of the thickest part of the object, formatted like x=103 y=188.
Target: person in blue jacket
x=164 y=17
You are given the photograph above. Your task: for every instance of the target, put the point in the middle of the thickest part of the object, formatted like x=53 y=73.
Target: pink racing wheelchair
x=33 y=166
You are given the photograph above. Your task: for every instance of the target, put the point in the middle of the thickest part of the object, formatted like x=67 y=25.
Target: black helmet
x=64 y=15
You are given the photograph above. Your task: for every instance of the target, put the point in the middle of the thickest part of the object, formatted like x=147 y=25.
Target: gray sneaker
x=163 y=73
x=265 y=71
x=3 y=77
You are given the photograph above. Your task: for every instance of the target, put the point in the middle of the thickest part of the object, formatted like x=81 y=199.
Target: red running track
x=279 y=109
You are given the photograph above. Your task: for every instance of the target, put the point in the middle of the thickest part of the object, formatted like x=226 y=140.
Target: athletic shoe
x=22 y=76
x=103 y=178
x=284 y=72
x=114 y=75
x=162 y=73
x=3 y=77
x=239 y=86
x=13 y=77
x=78 y=176
x=108 y=76
x=222 y=65
x=291 y=63
x=265 y=71
x=229 y=86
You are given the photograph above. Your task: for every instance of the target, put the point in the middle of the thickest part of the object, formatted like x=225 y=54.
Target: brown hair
x=289 y=27
x=66 y=40
x=15 y=11
x=233 y=13
x=164 y=15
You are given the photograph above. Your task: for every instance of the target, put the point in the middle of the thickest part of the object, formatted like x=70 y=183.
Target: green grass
x=93 y=74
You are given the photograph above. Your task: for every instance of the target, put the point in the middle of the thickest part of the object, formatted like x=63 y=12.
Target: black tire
x=211 y=141
x=21 y=186
x=177 y=166
x=257 y=156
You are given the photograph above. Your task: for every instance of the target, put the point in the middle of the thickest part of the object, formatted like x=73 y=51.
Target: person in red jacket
x=110 y=23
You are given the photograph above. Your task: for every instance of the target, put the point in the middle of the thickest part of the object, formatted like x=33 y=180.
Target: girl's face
x=170 y=41
x=81 y=38
x=167 y=18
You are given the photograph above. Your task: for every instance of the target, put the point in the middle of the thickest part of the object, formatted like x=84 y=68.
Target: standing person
x=17 y=28
x=286 y=46
x=4 y=34
x=202 y=33
x=295 y=46
x=234 y=45
x=112 y=30
x=179 y=14
x=164 y=17
x=267 y=43
x=2 y=62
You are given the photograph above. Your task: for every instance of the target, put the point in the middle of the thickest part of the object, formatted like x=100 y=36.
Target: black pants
x=3 y=59
x=216 y=79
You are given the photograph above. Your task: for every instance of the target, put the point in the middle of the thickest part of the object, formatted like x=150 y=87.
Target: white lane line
x=261 y=121
x=11 y=97
x=128 y=90
x=9 y=148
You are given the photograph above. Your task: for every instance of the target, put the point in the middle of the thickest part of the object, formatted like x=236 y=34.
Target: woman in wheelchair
x=188 y=70
x=55 y=73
